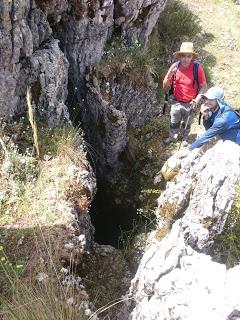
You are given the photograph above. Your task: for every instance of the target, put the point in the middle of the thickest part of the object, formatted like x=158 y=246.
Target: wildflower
x=70 y=301
x=41 y=276
x=88 y=312
x=1 y=248
x=64 y=270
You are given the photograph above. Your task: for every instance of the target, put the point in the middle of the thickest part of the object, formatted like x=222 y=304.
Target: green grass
x=221 y=52
x=53 y=141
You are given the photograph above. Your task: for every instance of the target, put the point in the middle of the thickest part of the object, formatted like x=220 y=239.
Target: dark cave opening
x=112 y=217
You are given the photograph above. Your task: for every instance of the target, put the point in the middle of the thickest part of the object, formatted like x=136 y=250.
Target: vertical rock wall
x=117 y=101
x=137 y=18
x=29 y=56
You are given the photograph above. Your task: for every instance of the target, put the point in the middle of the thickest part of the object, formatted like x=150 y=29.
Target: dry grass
x=167 y=212
x=38 y=199
x=162 y=232
x=35 y=190
x=222 y=19
x=28 y=298
x=43 y=302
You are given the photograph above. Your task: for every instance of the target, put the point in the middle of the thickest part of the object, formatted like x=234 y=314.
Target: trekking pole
x=185 y=128
x=166 y=99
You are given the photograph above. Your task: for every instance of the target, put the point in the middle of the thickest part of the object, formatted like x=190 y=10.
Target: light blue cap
x=215 y=93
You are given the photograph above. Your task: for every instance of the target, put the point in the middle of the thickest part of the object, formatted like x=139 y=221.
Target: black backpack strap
x=175 y=69
x=195 y=74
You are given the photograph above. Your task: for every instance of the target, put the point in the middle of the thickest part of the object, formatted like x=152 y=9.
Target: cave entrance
x=112 y=217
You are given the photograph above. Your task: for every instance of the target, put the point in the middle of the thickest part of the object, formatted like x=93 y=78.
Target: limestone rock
x=176 y=278
x=83 y=32
x=137 y=18
x=31 y=57
x=204 y=191
x=47 y=76
x=115 y=104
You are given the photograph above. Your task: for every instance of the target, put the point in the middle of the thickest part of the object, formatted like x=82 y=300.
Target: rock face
x=31 y=57
x=83 y=31
x=117 y=101
x=137 y=18
x=86 y=26
x=176 y=278
x=109 y=105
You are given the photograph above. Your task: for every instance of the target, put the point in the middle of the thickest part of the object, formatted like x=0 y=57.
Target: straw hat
x=186 y=47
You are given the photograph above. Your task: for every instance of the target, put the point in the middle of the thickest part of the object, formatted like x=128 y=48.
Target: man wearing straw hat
x=187 y=89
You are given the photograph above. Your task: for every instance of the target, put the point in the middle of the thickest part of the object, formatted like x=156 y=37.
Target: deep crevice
x=110 y=216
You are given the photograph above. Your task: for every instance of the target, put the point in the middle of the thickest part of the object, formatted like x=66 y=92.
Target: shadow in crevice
x=111 y=215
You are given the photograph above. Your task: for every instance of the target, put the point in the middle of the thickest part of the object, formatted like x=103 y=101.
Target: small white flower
x=20 y=241
x=41 y=276
x=70 y=301
x=88 y=312
x=64 y=270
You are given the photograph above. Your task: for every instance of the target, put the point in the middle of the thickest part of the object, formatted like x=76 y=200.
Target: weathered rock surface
x=176 y=278
x=137 y=18
x=83 y=32
x=116 y=102
x=86 y=26
x=31 y=57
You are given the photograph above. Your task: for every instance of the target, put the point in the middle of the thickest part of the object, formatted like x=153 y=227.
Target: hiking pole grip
x=199 y=118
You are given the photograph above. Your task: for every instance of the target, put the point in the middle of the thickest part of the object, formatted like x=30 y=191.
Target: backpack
x=236 y=111
x=195 y=74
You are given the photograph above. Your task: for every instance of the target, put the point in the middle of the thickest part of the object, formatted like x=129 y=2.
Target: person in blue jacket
x=219 y=118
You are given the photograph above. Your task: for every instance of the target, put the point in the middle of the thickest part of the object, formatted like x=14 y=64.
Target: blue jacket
x=222 y=122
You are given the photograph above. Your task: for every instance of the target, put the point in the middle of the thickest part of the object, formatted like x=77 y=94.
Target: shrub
x=175 y=22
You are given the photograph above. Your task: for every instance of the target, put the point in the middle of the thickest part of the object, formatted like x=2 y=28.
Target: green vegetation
x=220 y=43
x=43 y=302
x=129 y=241
x=175 y=23
x=228 y=243
x=25 y=178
